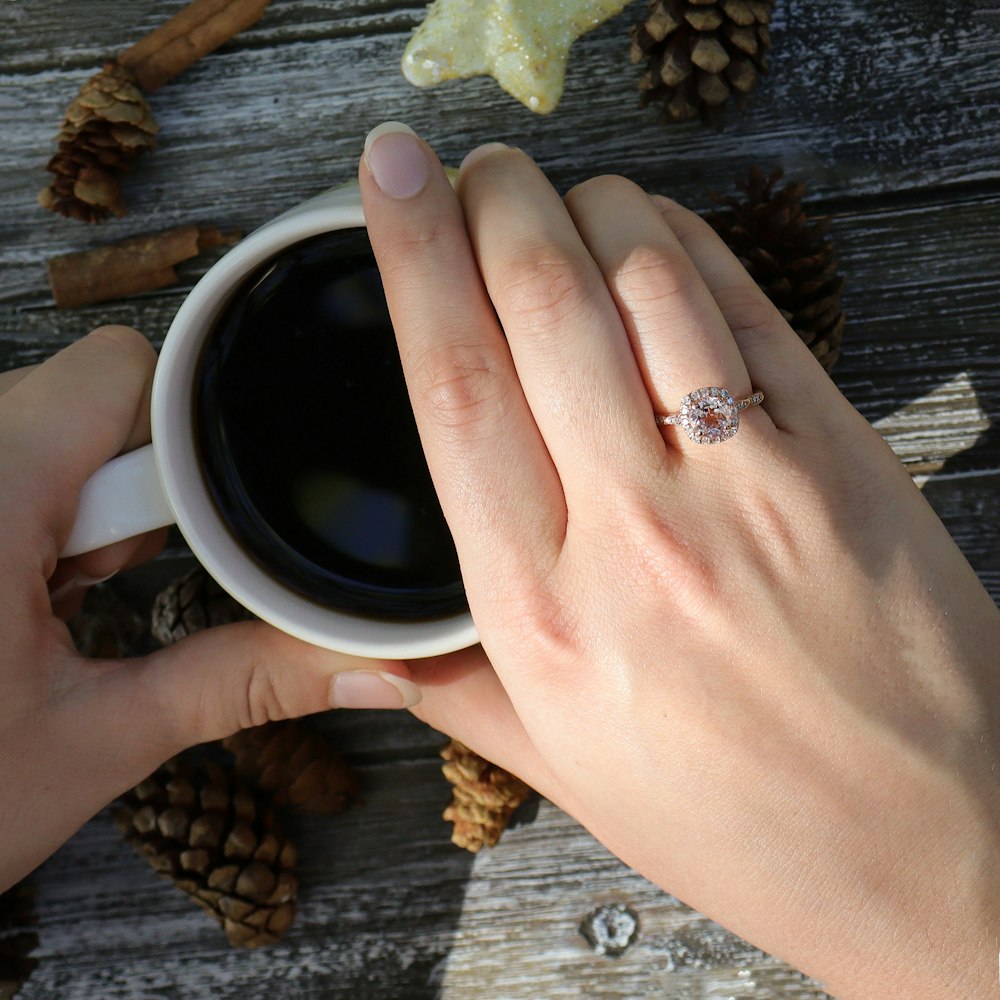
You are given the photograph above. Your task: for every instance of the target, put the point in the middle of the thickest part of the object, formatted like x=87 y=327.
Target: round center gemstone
x=709 y=415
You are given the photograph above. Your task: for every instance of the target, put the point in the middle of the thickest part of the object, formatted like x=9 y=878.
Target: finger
x=678 y=333
x=489 y=464
x=9 y=379
x=101 y=564
x=66 y=418
x=568 y=343
x=776 y=359
x=72 y=577
x=215 y=682
x=464 y=697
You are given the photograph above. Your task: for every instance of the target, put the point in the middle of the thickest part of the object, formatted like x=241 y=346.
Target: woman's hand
x=760 y=672
x=75 y=733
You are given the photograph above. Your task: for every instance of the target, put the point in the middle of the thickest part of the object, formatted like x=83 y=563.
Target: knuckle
x=541 y=627
x=263 y=697
x=263 y=700
x=751 y=316
x=658 y=551
x=428 y=232
x=427 y=238
x=654 y=276
x=530 y=606
x=542 y=289
x=460 y=386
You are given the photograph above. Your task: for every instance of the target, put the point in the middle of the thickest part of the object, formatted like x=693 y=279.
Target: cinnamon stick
x=194 y=32
x=110 y=122
x=141 y=264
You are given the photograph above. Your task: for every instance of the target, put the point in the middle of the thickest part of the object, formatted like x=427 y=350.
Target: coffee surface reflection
x=308 y=442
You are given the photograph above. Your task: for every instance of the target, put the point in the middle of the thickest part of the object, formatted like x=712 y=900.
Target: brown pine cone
x=105 y=627
x=105 y=128
x=17 y=942
x=296 y=766
x=200 y=827
x=191 y=603
x=788 y=254
x=701 y=53
x=483 y=798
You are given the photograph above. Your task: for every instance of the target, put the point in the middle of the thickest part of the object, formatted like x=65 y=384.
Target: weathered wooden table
x=889 y=111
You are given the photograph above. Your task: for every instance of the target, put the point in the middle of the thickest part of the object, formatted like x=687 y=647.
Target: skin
x=760 y=672
x=75 y=733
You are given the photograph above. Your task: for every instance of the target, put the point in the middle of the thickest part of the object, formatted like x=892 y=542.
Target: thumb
x=220 y=680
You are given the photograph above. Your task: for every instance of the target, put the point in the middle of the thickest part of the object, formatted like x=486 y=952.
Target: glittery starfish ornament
x=523 y=44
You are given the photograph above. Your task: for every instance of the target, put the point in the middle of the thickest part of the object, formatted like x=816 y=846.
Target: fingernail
x=372 y=689
x=77 y=582
x=480 y=152
x=397 y=160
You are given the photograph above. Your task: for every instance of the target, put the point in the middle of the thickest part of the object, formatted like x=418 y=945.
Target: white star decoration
x=523 y=44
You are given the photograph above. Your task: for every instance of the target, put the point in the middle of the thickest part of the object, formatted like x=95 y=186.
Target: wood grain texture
x=888 y=111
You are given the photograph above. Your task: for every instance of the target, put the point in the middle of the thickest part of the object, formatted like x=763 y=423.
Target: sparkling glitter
x=523 y=44
x=709 y=415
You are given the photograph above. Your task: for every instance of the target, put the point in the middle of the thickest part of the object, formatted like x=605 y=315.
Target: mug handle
x=123 y=498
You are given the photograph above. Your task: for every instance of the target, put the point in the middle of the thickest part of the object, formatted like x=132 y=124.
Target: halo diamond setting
x=710 y=415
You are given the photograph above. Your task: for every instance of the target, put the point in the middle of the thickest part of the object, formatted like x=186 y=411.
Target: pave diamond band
x=710 y=415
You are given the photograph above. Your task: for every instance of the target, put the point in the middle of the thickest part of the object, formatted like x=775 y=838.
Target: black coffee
x=308 y=442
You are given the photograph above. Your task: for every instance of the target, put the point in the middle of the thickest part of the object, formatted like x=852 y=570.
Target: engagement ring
x=710 y=415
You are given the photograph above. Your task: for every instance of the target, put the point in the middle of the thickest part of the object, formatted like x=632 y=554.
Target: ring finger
x=770 y=348
x=679 y=335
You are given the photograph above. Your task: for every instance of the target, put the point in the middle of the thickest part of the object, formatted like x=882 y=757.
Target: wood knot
x=611 y=929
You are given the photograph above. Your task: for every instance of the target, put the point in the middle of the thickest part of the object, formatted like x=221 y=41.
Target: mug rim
x=175 y=452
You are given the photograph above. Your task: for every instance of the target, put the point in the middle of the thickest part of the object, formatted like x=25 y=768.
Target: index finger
x=65 y=419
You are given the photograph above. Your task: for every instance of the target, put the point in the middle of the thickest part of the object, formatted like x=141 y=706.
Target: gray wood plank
x=285 y=106
x=389 y=909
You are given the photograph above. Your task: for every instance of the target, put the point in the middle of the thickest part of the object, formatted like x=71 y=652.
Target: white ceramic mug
x=162 y=483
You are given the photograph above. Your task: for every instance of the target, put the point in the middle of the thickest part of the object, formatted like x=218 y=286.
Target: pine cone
x=16 y=940
x=788 y=255
x=296 y=766
x=105 y=627
x=105 y=128
x=219 y=844
x=483 y=798
x=699 y=53
x=191 y=603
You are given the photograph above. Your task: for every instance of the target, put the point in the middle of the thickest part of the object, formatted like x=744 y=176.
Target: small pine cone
x=105 y=627
x=484 y=797
x=200 y=827
x=105 y=128
x=296 y=766
x=788 y=254
x=701 y=53
x=192 y=603
x=17 y=941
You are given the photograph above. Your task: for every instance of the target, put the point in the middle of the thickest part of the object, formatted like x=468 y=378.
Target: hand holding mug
x=283 y=446
x=76 y=733
x=759 y=670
